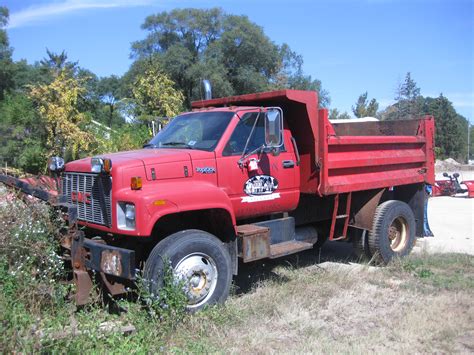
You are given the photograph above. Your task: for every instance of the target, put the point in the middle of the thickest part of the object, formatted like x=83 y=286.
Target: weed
x=168 y=304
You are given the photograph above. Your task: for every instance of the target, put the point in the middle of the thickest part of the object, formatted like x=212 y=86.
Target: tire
x=197 y=257
x=393 y=231
x=360 y=243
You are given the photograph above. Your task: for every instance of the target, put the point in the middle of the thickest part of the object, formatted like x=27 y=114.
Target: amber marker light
x=107 y=166
x=159 y=202
x=136 y=183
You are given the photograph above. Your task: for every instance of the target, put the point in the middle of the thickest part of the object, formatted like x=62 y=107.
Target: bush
x=30 y=267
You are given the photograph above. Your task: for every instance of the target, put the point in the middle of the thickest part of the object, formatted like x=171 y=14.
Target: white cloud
x=35 y=14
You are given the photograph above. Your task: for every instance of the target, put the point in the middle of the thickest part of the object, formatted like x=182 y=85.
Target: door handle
x=287 y=164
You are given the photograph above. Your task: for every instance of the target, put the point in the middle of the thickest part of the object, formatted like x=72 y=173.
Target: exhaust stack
x=207 y=89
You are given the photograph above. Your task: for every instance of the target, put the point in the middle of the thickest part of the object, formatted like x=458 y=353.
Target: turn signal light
x=136 y=183
x=107 y=165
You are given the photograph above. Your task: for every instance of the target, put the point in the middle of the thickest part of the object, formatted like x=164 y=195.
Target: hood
x=158 y=163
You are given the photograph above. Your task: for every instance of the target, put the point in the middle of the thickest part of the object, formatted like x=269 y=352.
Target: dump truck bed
x=343 y=157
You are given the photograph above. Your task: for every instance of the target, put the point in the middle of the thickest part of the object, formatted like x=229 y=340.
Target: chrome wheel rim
x=398 y=234
x=199 y=273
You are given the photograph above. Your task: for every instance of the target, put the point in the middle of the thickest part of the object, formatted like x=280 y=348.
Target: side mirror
x=273 y=127
x=456 y=175
x=445 y=175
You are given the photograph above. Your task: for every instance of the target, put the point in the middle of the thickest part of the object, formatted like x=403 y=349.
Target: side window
x=236 y=143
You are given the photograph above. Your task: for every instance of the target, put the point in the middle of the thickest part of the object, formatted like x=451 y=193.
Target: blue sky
x=351 y=46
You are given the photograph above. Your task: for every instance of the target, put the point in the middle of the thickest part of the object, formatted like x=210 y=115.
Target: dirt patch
x=447 y=165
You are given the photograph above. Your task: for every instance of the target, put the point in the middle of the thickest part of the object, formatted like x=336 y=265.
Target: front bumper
x=115 y=266
x=108 y=259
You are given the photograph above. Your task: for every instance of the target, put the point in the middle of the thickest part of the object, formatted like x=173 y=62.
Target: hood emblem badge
x=206 y=170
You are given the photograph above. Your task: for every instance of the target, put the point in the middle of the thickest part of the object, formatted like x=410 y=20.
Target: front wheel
x=393 y=231
x=197 y=258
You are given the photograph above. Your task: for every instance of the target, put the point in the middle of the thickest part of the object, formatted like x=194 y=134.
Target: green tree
x=409 y=102
x=364 y=108
x=57 y=62
x=109 y=92
x=231 y=51
x=334 y=114
x=23 y=134
x=471 y=141
x=451 y=128
x=6 y=64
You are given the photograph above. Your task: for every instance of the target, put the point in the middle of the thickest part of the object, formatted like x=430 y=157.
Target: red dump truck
x=248 y=177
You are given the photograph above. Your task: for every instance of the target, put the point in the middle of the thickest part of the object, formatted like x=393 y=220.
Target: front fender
x=174 y=197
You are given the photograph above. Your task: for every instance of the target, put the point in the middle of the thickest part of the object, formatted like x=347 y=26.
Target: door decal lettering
x=260 y=188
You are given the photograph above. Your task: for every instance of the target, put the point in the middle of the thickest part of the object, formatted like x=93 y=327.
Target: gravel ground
x=452 y=222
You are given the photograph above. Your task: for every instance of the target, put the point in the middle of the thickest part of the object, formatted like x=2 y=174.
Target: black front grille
x=84 y=191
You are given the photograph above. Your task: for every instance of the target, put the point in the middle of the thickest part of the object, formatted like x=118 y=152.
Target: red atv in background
x=452 y=187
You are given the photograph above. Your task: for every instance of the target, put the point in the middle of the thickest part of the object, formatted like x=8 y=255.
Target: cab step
x=287 y=248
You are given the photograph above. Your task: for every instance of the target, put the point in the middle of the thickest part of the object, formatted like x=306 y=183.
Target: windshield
x=199 y=130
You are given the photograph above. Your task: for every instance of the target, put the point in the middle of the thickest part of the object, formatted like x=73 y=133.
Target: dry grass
x=401 y=309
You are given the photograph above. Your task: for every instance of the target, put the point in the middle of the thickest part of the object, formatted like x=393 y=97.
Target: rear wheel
x=393 y=231
x=197 y=258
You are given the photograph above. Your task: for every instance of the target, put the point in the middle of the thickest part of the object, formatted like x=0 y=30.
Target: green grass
x=439 y=271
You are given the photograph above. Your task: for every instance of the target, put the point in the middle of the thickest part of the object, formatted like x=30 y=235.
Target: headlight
x=101 y=165
x=126 y=215
x=56 y=164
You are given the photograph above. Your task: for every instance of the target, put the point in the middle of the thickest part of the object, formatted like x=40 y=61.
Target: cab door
x=264 y=182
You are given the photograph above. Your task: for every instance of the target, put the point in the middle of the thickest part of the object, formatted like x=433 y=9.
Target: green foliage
x=169 y=304
x=451 y=128
x=109 y=90
x=23 y=134
x=364 y=108
x=126 y=137
x=409 y=102
x=30 y=271
x=57 y=63
x=231 y=51
x=471 y=141
x=6 y=63
x=334 y=114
